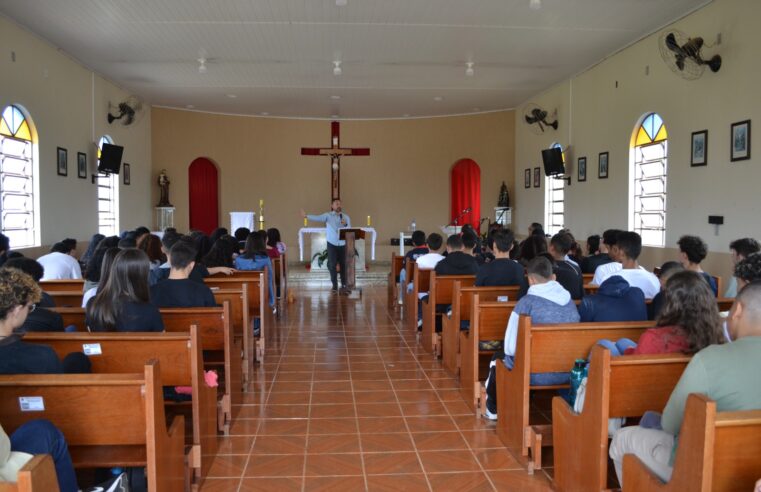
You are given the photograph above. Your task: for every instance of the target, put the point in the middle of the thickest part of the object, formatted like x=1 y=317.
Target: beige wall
x=61 y=96
x=595 y=116
x=405 y=177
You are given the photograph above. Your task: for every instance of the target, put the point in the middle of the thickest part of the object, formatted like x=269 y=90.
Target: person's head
x=742 y=248
x=434 y=241
x=454 y=243
x=609 y=242
x=93 y=267
x=221 y=253
x=18 y=294
x=151 y=245
x=418 y=239
x=667 y=270
x=560 y=244
x=217 y=233
x=5 y=244
x=532 y=247
x=335 y=205
x=502 y=241
x=105 y=265
x=241 y=233
x=94 y=241
x=60 y=247
x=182 y=258
x=273 y=237
x=469 y=241
x=744 y=318
x=689 y=302
x=536 y=229
x=593 y=244
x=255 y=245
x=141 y=231
x=539 y=271
x=628 y=245
x=129 y=240
x=27 y=265
x=692 y=250
x=202 y=245
x=748 y=270
x=167 y=241
x=72 y=245
x=170 y=230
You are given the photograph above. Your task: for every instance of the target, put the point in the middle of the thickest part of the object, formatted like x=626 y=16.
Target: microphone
x=467 y=210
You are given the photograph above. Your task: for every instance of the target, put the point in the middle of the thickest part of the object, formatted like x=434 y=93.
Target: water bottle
x=413 y=226
x=577 y=374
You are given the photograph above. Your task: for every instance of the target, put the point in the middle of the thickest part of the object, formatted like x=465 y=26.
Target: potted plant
x=322 y=257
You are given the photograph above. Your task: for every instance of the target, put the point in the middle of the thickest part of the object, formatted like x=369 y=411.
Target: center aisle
x=346 y=401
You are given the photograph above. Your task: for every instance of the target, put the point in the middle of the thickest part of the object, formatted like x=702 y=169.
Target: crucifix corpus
x=335 y=151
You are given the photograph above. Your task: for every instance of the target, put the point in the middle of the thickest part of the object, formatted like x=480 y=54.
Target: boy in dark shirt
x=502 y=270
x=598 y=249
x=419 y=248
x=178 y=290
x=458 y=261
x=568 y=275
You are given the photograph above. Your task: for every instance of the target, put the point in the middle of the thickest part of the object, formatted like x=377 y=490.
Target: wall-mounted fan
x=536 y=117
x=684 y=55
x=126 y=112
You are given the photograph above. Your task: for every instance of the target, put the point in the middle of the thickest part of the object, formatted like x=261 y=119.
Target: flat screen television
x=553 y=161
x=110 y=158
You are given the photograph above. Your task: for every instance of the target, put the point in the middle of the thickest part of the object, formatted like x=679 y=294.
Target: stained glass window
x=18 y=189
x=648 y=181
x=108 y=197
x=554 y=194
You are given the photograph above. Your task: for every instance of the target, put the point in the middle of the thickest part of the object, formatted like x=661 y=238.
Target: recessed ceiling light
x=231 y=96
x=335 y=97
x=469 y=70
x=535 y=4
x=337 y=68
x=189 y=106
x=264 y=113
x=340 y=3
x=438 y=98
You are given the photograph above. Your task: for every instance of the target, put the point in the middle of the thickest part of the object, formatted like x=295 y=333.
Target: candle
x=368 y=221
x=261 y=203
x=305 y=221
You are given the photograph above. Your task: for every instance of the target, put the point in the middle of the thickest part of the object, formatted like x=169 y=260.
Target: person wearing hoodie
x=615 y=300
x=546 y=302
x=457 y=261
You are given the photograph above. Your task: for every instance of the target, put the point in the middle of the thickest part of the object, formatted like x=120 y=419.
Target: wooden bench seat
x=37 y=475
x=108 y=420
x=625 y=386
x=393 y=282
x=420 y=279
x=67 y=298
x=241 y=323
x=439 y=293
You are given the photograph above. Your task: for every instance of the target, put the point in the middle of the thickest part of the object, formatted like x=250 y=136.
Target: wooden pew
x=277 y=269
x=717 y=451
x=239 y=318
x=406 y=298
x=624 y=386
x=546 y=348
x=72 y=316
x=439 y=292
x=180 y=356
x=587 y=277
x=488 y=321
x=37 y=475
x=108 y=420
x=420 y=283
x=67 y=298
x=393 y=283
x=462 y=302
x=725 y=303
x=220 y=349
x=590 y=289
x=69 y=285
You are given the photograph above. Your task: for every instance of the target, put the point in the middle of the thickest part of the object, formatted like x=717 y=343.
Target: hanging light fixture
x=337 y=68
x=469 y=70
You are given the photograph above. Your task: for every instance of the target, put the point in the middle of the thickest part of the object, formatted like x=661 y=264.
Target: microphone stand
x=457 y=220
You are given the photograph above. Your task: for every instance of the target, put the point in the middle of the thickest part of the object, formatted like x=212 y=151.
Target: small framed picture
x=740 y=141
x=127 y=177
x=62 y=161
x=527 y=178
x=699 y=152
x=81 y=165
x=582 y=168
x=537 y=177
x=602 y=165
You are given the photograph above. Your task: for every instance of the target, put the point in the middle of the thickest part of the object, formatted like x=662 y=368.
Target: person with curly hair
x=741 y=249
x=693 y=250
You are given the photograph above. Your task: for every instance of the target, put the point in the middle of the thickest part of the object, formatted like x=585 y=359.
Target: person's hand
x=223 y=270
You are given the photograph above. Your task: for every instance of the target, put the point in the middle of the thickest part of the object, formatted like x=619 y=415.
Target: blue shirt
x=259 y=262
x=332 y=222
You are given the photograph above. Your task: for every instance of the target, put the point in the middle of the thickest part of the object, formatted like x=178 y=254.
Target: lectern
x=350 y=236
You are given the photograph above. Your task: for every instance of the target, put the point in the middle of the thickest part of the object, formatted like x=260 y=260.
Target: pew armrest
x=637 y=476
x=38 y=475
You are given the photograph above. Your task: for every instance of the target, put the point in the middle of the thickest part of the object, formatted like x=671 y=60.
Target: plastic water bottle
x=413 y=226
x=577 y=374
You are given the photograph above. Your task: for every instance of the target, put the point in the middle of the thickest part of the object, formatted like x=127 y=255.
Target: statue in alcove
x=164 y=182
x=504 y=196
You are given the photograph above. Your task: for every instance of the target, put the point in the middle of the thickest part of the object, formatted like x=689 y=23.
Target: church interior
x=579 y=117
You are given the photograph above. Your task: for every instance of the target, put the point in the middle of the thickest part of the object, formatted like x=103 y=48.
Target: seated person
x=747 y=270
x=105 y=266
x=605 y=270
x=33 y=269
x=741 y=249
x=255 y=257
x=615 y=300
x=222 y=253
x=666 y=271
x=532 y=247
x=199 y=272
x=18 y=293
x=94 y=265
x=568 y=274
x=124 y=302
x=273 y=240
x=501 y=270
x=432 y=258
x=272 y=251
x=628 y=248
x=724 y=373
x=458 y=261
x=419 y=249
x=546 y=302
x=178 y=290
x=151 y=245
x=40 y=318
x=597 y=254
x=693 y=250
x=60 y=263
x=241 y=234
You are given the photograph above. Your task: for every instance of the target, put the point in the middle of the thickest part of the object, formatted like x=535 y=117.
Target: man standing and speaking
x=334 y=220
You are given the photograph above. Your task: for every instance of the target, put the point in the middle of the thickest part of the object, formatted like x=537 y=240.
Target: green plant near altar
x=322 y=257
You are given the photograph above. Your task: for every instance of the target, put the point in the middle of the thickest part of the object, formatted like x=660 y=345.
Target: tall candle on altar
x=368 y=221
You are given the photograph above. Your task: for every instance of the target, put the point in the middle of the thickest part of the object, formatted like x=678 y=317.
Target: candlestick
x=368 y=221
x=305 y=221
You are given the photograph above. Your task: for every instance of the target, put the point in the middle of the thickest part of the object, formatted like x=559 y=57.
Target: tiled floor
x=346 y=401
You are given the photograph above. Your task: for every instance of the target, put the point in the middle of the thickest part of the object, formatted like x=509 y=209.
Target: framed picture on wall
x=582 y=169
x=126 y=172
x=740 y=141
x=81 y=165
x=62 y=161
x=527 y=178
x=602 y=165
x=699 y=151
x=537 y=177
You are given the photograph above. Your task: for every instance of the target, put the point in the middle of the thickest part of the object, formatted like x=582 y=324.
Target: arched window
x=554 y=199
x=108 y=197
x=647 y=180
x=19 y=190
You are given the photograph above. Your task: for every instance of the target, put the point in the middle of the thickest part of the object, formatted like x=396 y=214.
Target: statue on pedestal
x=504 y=197
x=164 y=182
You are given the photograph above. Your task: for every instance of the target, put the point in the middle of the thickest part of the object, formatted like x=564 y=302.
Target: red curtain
x=204 y=201
x=466 y=192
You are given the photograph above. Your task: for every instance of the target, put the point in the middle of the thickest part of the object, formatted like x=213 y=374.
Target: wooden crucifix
x=335 y=152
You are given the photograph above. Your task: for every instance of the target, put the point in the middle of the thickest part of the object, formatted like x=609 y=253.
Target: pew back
x=440 y=293
x=63 y=285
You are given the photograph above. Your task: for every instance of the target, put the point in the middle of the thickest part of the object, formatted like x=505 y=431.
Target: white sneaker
x=489 y=415
x=420 y=323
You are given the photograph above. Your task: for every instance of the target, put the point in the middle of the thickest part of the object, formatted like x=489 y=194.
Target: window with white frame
x=647 y=175
x=554 y=199
x=19 y=189
x=108 y=197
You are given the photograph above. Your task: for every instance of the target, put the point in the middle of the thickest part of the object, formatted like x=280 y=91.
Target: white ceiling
x=276 y=56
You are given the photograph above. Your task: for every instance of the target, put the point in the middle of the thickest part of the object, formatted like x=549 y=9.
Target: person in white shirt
x=60 y=263
x=609 y=246
x=628 y=248
x=429 y=260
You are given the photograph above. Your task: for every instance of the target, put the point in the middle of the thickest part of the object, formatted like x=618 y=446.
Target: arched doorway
x=203 y=195
x=466 y=192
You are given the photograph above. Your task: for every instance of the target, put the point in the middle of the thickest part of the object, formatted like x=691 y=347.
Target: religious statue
x=504 y=197
x=164 y=187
